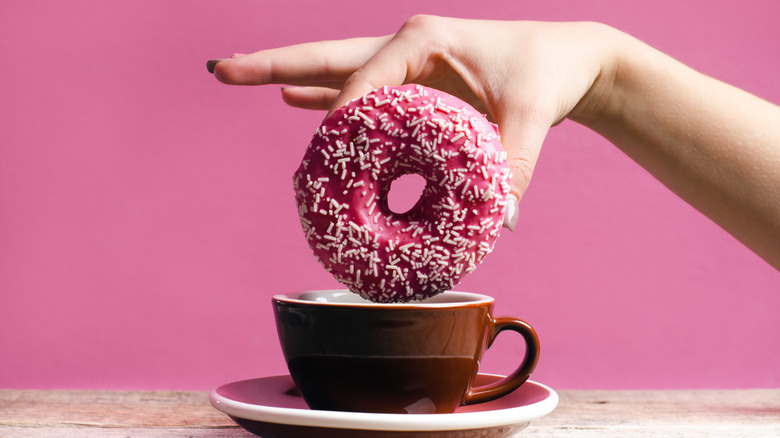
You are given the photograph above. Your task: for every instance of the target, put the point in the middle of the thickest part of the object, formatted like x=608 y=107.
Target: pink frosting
x=342 y=184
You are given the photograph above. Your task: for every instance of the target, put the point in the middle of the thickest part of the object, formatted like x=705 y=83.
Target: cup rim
x=445 y=299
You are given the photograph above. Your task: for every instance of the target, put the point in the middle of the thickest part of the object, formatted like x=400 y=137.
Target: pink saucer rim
x=384 y=422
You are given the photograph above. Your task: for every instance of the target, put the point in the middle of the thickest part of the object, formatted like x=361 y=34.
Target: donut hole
x=405 y=191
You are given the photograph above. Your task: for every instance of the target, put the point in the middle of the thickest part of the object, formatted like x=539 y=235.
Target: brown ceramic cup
x=348 y=354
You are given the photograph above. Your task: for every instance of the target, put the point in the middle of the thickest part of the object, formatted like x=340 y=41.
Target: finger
x=313 y=98
x=522 y=136
x=324 y=63
x=389 y=66
x=210 y=64
x=522 y=143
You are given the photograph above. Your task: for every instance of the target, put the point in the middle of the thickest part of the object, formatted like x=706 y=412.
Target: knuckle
x=426 y=27
x=429 y=34
x=421 y=21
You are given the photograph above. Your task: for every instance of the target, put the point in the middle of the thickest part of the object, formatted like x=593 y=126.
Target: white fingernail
x=512 y=213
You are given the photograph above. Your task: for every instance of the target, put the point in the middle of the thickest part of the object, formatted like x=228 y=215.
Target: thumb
x=522 y=138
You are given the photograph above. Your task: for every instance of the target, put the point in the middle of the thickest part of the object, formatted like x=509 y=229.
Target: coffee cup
x=345 y=353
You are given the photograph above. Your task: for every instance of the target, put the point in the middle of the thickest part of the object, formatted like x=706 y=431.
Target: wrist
x=602 y=102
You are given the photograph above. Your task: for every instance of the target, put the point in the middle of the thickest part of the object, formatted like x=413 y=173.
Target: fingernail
x=238 y=55
x=211 y=63
x=512 y=212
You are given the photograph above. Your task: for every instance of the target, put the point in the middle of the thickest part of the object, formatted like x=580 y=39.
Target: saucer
x=269 y=407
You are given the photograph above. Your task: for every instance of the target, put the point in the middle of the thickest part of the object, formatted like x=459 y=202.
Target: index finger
x=324 y=63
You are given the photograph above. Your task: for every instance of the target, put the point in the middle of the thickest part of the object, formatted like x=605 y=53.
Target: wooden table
x=708 y=413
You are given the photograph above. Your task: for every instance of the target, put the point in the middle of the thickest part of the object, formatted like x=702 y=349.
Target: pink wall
x=147 y=213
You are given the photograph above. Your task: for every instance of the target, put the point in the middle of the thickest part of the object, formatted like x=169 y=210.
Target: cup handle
x=513 y=381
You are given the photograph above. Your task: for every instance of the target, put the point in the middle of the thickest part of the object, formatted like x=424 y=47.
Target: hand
x=712 y=144
x=525 y=76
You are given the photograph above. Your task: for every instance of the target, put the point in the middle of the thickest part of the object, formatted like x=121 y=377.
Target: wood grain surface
x=703 y=413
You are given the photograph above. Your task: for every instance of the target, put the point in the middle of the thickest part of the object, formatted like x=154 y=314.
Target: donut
x=343 y=180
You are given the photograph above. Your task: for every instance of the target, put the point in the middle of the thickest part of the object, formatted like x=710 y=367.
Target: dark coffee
x=398 y=385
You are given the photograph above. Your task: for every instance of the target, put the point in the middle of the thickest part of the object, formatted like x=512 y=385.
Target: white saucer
x=270 y=408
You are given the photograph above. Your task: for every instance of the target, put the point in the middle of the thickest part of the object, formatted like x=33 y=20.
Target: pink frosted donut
x=342 y=184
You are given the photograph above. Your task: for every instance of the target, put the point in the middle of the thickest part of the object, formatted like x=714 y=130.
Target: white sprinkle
x=415 y=122
x=416 y=130
x=405 y=248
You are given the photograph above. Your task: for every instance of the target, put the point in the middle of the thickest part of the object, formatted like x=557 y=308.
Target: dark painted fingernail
x=210 y=64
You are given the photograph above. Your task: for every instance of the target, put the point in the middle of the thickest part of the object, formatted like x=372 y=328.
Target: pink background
x=147 y=213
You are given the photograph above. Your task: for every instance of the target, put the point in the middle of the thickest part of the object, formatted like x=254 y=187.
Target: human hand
x=692 y=132
x=526 y=76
